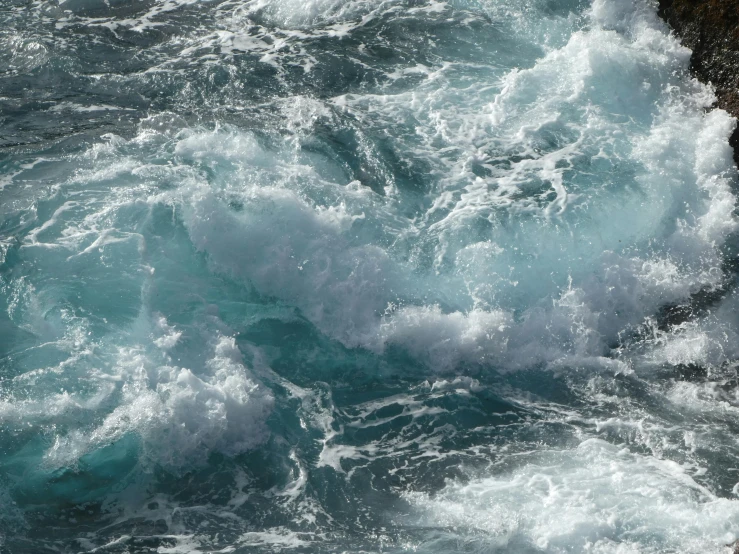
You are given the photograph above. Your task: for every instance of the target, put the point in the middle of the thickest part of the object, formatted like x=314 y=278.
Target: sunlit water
x=365 y=276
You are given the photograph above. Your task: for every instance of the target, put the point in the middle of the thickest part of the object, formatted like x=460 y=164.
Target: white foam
x=21 y=53
x=648 y=261
x=275 y=538
x=71 y=106
x=595 y=498
x=179 y=416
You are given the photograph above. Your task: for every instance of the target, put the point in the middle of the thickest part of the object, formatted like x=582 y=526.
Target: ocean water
x=363 y=276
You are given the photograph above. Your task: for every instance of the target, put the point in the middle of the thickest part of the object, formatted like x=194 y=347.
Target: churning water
x=363 y=276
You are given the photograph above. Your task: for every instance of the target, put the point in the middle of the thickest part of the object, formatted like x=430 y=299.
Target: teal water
x=366 y=276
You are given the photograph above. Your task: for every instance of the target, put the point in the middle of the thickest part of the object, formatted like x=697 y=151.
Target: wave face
x=363 y=276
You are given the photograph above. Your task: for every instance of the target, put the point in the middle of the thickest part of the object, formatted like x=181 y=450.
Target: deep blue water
x=363 y=276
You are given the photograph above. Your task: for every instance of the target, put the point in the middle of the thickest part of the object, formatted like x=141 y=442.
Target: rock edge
x=710 y=28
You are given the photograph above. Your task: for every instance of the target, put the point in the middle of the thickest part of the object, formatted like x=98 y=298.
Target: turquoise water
x=365 y=276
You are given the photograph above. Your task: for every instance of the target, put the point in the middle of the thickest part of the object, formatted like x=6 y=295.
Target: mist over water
x=366 y=276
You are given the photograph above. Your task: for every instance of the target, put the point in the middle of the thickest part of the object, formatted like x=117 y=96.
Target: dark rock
x=710 y=28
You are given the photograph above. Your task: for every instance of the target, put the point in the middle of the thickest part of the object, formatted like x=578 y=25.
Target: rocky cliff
x=711 y=29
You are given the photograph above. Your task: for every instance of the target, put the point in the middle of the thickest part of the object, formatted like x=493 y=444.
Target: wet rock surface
x=711 y=29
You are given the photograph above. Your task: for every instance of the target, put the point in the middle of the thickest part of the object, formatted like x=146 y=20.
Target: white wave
x=619 y=206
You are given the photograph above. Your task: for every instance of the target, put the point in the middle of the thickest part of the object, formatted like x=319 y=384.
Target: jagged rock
x=711 y=29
